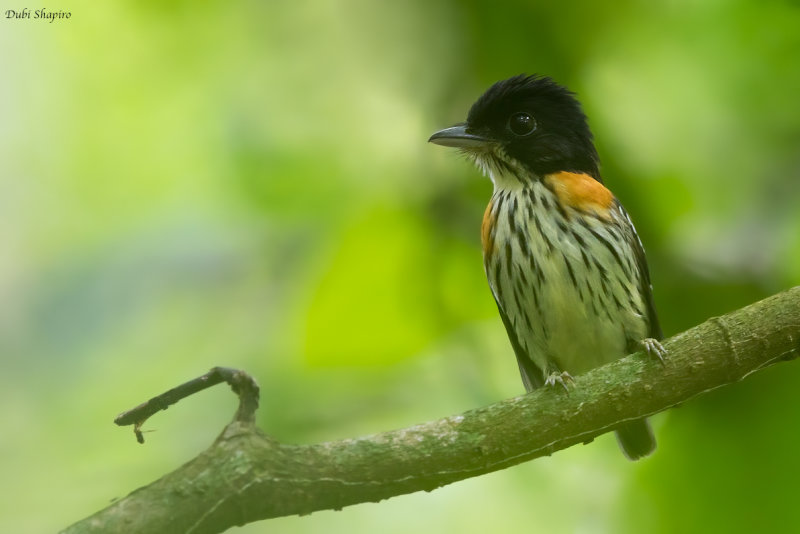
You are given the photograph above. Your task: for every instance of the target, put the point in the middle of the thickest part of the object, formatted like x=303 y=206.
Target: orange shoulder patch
x=487 y=231
x=581 y=192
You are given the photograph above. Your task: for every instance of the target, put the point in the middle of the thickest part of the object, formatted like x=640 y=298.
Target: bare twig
x=241 y=383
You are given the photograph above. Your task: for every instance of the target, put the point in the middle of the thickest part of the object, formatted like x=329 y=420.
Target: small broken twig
x=241 y=383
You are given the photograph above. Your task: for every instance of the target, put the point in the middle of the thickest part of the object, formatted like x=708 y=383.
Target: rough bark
x=247 y=476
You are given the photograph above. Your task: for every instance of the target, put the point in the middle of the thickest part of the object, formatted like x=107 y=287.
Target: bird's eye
x=521 y=124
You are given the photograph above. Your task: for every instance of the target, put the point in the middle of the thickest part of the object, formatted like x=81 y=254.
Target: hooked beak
x=458 y=136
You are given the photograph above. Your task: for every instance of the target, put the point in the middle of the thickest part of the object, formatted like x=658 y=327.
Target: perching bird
x=564 y=263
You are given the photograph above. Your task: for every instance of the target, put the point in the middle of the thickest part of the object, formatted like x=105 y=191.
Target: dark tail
x=636 y=439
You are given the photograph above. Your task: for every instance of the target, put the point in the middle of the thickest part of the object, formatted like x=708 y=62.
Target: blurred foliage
x=185 y=185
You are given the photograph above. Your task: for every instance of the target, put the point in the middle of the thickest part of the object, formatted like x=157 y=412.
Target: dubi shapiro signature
x=38 y=14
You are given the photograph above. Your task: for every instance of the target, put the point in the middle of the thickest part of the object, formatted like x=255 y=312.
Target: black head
x=534 y=121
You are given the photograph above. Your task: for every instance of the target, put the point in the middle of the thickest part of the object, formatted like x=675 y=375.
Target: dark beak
x=458 y=136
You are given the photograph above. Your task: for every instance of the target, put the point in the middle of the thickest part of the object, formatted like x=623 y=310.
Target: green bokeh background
x=185 y=184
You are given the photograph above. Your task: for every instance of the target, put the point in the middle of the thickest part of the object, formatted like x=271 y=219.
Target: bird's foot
x=559 y=377
x=654 y=348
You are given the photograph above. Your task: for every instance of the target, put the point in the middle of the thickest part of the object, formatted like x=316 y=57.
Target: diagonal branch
x=246 y=476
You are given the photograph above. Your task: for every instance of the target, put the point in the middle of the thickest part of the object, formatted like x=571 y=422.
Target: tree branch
x=240 y=382
x=246 y=476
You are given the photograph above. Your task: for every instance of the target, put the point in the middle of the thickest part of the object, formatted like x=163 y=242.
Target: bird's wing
x=646 y=288
x=532 y=376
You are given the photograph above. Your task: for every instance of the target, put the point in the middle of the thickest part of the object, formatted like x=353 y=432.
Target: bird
x=563 y=260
